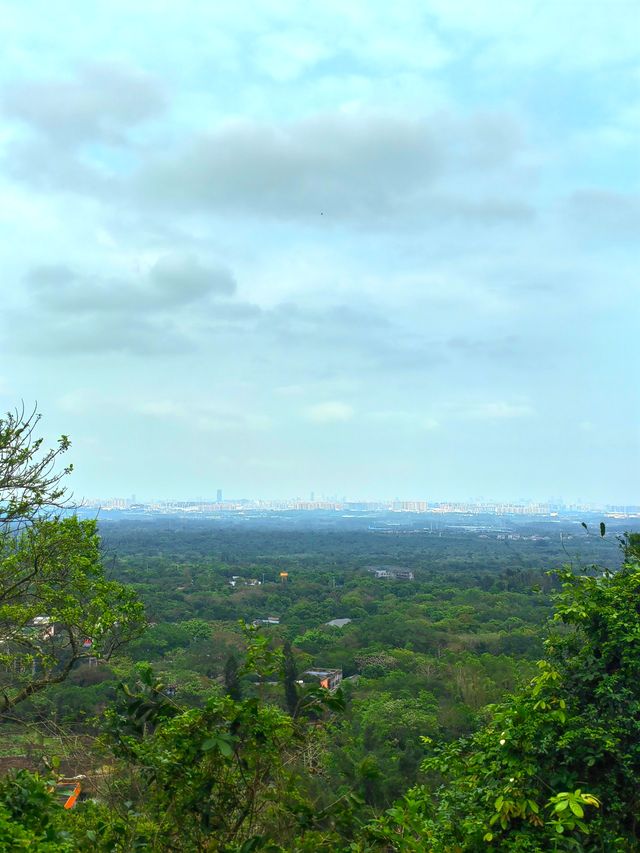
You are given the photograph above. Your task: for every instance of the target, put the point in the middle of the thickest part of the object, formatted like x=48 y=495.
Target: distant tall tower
x=219 y=496
x=312 y=497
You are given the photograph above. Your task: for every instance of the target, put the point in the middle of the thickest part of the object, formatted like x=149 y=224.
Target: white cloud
x=156 y=311
x=606 y=214
x=379 y=168
x=204 y=417
x=332 y=411
x=100 y=102
x=173 y=281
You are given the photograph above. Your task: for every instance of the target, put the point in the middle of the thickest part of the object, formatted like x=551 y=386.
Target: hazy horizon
x=477 y=500
x=361 y=249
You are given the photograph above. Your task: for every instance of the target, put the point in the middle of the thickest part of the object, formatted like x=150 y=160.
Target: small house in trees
x=338 y=623
x=328 y=678
x=270 y=620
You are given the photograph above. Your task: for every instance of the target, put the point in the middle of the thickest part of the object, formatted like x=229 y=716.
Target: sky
x=357 y=248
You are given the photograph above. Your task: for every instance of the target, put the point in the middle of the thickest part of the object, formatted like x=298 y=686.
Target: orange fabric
x=73 y=798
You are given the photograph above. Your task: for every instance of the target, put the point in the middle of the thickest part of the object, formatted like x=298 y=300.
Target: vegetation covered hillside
x=464 y=720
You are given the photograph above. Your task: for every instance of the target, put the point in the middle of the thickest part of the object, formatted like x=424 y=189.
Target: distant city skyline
x=361 y=248
x=399 y=504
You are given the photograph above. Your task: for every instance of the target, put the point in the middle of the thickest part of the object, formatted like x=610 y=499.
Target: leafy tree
x=29 y=481
x=556 y=767
x=56 y=605
x=200 y=779
x=630 y=544
x=208 y=773
x=57 y=608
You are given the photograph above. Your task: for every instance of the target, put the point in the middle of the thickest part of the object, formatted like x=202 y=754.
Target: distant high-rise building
x=219 y=496
x=312 y=497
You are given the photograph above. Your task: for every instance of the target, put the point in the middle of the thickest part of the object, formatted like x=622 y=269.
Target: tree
x=208 y=773
x=232 y=684
x=29 y=481
x=56 y=605
x=556 y=767
x=290 y=678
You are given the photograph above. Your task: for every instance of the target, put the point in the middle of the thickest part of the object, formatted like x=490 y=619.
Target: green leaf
x=577 y=809
x=225 y=748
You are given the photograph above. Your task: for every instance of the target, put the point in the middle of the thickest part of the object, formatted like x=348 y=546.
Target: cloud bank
x=361 y=248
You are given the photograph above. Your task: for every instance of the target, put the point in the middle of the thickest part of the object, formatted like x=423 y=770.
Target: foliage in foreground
x=223 y=777
x=30 y=819
x=556 y=767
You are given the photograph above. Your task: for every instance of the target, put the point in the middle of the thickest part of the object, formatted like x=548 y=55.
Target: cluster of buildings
x=396 y=573
x=498 y=508
x=237 y=580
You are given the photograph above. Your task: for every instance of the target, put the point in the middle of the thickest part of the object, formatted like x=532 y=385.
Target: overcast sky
x=362 y=248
